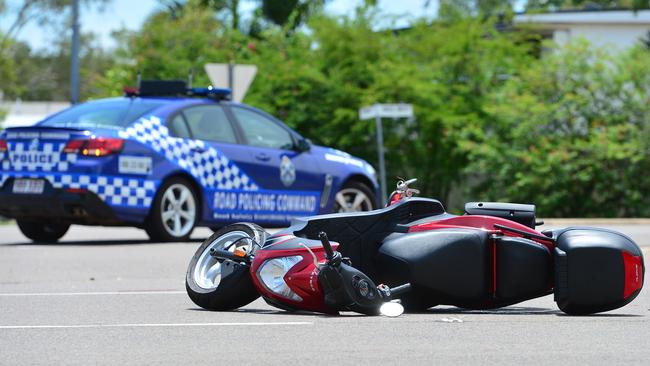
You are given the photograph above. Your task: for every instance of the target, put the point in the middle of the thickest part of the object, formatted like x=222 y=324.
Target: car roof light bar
x=171 y=88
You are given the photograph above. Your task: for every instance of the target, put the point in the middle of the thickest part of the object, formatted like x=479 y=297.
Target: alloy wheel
x=353 y=200
x=207 y=272
x=178 y=210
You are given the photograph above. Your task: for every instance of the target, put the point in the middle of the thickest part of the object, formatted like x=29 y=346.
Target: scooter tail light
x=271 y=274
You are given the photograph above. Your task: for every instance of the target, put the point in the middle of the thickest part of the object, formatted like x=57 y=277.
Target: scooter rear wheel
x=224 y=285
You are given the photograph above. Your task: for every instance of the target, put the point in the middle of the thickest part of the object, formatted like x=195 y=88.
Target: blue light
x=211 y=92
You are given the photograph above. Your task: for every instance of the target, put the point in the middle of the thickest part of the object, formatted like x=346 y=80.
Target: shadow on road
x=510 y=310
x=522 y=310
x=272 y=312
x=100 y=242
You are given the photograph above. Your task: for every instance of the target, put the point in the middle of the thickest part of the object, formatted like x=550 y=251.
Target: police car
x=167 y=158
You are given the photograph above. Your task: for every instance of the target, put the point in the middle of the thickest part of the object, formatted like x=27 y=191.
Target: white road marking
x=9 y=294
x=86 y=326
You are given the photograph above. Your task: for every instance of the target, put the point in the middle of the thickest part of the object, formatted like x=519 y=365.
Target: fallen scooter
x=488 y=258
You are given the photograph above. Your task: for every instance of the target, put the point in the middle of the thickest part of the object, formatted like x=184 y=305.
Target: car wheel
x=174 y=213
x=354 y=197
x=42 y=232
x=223 y=284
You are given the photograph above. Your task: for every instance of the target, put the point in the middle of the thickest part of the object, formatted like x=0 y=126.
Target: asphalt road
x=107 y=296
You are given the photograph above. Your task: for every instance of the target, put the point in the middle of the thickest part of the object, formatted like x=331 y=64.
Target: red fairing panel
x=302 y=278
x=479 y=222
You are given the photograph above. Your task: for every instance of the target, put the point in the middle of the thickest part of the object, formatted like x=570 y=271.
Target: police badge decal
x=287 y=171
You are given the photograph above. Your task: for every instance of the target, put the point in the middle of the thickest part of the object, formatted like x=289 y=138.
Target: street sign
x=235 y=77
x=379 y=111
x=399 y=110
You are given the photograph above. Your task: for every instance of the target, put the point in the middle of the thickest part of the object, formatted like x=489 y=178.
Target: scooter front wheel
x=217 y=284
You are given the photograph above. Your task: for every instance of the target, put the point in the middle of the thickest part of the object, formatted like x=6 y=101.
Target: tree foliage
x=317 y=81
x=567 y=131
x=572 y=132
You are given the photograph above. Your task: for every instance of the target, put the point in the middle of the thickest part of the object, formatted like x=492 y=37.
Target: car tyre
x=174 y=212
x=42 y=232
x=354 y=196
x=204 y=282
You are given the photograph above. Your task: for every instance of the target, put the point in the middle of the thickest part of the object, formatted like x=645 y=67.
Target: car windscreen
x=102 y=114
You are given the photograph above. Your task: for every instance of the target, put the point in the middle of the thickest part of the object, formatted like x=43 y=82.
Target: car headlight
x=272 y=273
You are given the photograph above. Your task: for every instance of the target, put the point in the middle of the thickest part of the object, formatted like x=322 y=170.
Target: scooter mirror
x=391 y=309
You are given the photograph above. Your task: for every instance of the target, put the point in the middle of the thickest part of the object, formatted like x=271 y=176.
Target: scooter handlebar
x=326 y=245
x=399 y=290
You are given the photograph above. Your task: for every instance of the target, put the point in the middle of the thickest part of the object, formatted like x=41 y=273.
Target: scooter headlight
x=272 y=272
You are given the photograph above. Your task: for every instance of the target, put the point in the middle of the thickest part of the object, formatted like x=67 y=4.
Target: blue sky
x=131 y=14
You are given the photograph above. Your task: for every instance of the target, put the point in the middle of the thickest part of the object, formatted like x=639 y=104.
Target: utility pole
x=74 y=55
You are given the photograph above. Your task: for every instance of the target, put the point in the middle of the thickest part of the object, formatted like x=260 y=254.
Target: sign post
x=379 y=111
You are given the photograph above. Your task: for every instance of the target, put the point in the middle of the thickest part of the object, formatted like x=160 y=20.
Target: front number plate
x=28 y=186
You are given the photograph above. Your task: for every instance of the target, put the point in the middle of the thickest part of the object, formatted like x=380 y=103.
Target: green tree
x=290 y=13
x=571 y=133
x=170 y=47
x=441 y=68
x=454 y=9
x=45 y=75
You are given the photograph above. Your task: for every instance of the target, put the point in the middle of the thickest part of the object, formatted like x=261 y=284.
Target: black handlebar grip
x=399 y=290
x=326 y=245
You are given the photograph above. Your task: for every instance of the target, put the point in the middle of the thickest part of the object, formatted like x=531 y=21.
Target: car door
x=274 y=161
x=216 y=158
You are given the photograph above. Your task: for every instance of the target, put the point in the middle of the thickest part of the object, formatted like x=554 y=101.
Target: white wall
x=616 y=37
x=617 y=30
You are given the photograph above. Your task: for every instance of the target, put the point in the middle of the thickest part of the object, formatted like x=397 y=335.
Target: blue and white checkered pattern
x=57 y=160
x=115 y=191
x=4 y=164
x=210 y=167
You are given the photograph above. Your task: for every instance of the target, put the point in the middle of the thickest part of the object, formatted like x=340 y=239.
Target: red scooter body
x=302 y=278
x=381 y=244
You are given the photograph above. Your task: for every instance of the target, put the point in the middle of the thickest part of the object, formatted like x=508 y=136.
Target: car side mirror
x=303 y=145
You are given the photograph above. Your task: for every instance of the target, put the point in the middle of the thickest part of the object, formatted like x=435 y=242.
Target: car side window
x=261 y=131
x=209 y=122
x=178 y=127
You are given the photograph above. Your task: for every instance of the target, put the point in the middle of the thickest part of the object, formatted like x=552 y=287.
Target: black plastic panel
x=360 y=234
x=524 y=269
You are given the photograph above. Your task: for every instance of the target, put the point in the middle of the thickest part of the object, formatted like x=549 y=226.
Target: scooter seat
x=449 y=265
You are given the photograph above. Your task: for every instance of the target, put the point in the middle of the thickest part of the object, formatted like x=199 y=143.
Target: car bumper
x=56 y=205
